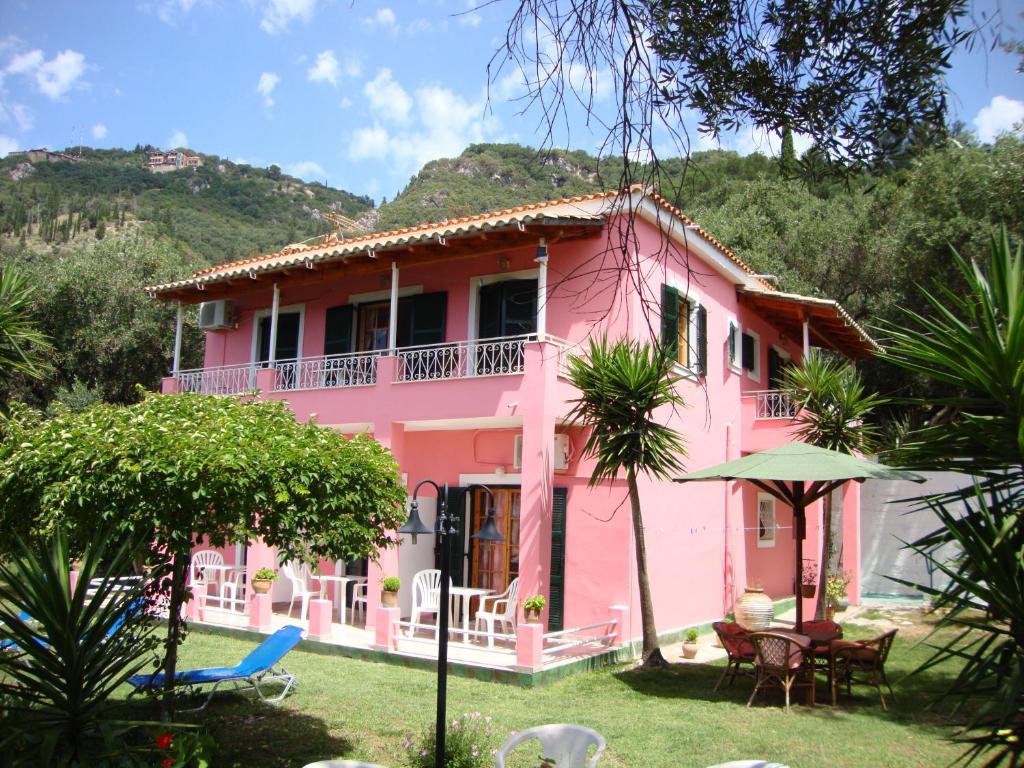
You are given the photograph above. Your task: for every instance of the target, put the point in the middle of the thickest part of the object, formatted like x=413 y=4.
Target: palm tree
x=972 y=340
x=621 y=385
x=22 y=344
x=833 y=406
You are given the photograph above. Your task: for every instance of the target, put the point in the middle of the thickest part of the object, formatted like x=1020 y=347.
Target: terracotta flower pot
x=389 y=599
x=808 y=590
x=531 y=615
x=754 y=610
x=262 y=586
x=689 y=650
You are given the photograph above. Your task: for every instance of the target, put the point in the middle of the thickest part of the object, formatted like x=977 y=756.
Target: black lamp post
x=447 y=526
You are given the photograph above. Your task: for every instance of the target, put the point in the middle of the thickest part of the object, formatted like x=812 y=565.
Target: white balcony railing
x=772 y=404
x=462 y=359
x=220 y=380
x=354 y=369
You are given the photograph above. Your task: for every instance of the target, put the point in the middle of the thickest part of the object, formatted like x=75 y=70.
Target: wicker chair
x=862 y=662
x=740 y=650
x=783 y=661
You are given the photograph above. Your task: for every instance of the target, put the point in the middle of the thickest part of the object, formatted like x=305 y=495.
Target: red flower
x=168 y=762
x=163 y=741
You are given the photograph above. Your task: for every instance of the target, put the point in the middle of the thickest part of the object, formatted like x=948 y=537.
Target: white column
x=272 y=354
x=542 y=289
x=807 y=338
x=393 y=317
x=177 y=341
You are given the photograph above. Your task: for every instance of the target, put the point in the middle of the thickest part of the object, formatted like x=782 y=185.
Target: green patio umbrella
x=799 y=474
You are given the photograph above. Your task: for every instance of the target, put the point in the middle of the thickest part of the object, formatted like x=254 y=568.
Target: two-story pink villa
x=445 y=342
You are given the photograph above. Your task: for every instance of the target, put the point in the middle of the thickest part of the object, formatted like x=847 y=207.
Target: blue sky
x=354 y=92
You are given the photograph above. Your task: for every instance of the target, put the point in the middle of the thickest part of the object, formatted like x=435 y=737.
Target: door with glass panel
x=493 y=564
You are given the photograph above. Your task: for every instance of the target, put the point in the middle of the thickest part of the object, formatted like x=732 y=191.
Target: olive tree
x=172 y=470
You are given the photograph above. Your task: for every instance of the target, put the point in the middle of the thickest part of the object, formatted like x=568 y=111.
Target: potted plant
x=835 y=593
x=532 y=606
x=263 y=580
x=809 y=579
x=690 y=644
x=389 y=587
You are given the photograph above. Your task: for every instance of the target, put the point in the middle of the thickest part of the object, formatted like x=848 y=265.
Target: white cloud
x=470 y=17
x=510 y=86
x=7 y=145
x=345 y=102
x=178 y=139
x=19 y=113
x=306 y=169
x=1000 y=116
x=99 y=131
x=590 y=83
x=25 y=63
x=58 y=75
x=325 y=69
x=278 y=14
x=388 y=100
x=170 y=12
x=384 y=18
x=265 y=87
x=369 y=144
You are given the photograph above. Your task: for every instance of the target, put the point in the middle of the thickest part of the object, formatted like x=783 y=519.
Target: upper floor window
x=733 y=346
x=684 y=329
x=778 y=360
x=750 y=354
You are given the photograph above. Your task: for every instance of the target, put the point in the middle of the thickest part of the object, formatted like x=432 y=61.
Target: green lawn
x=361 y=710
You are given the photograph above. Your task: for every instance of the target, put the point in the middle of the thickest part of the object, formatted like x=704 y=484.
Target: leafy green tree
x=64 y=664
x=22 y=345
x=973 y=342
x=173 y=469
x=621 y=386
x=788 y=167
x=834 y=412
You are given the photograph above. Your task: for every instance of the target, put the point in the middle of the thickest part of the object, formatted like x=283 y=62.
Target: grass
x=345 y=708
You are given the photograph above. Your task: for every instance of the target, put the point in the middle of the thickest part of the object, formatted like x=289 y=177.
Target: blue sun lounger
x=255 y=670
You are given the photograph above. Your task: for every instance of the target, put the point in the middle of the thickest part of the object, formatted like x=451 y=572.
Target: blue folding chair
x=255 y=670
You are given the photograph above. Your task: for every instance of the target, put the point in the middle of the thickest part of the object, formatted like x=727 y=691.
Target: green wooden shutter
x=670 y=320
x=338 y=330
x=428 y=318
x=556 y=574
x=702 y=339
x=774 y=369
x=458 y=504
x=747 y=351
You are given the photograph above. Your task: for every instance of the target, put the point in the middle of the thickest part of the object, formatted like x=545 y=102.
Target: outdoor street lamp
x=447 y=526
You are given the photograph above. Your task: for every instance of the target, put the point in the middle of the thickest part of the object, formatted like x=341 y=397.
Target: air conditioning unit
x=561 y=452
x=216 y=315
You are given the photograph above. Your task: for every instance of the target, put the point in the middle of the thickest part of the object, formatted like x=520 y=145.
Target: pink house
x=445 y=342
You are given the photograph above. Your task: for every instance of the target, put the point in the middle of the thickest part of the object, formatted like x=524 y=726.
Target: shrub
x=691 y=635
x=390 y=583
x=534 y=603
x=469 y=743
x=265 y=574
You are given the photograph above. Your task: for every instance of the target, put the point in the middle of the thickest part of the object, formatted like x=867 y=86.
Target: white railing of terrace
x=220 y=380
x=772 y=404
x=354 y=369
x=463 y=359
x=600 y=633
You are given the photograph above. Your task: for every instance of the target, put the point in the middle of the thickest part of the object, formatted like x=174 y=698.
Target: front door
x=493 y=564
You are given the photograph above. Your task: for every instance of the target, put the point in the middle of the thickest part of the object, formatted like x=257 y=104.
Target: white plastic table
x=467 y=594
x=342 y=582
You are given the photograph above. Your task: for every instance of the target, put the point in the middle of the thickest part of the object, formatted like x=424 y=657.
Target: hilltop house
x=445 y=342
x=160 y=162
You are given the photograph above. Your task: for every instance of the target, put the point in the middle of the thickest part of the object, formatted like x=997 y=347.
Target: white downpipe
x=393 y=315
x=807 y=338
x=177 y=340
x=272 y=354
x=542 y=289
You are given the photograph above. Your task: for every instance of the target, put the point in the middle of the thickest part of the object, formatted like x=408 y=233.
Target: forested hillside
x=90 y=234
x=219 y=211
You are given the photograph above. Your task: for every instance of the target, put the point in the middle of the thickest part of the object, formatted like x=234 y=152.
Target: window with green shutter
x=684 y=330
x=702 y=340
x=556 y=594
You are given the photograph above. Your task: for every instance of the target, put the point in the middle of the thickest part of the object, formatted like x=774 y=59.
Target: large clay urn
x=754 y=610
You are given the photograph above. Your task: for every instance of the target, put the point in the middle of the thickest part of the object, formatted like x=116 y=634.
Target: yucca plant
x=67 y=652
x=974 y=343
x=22 y=344
x=621 y=386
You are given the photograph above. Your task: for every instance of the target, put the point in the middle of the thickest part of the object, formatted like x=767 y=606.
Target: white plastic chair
x=200 y=579
x=360 y=602
x=426 y=596
x=342 y=764
x=567 y=745
x=503 y=610
x=299 y=576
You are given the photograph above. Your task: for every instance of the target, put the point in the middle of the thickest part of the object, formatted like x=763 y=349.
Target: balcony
x=767 y=419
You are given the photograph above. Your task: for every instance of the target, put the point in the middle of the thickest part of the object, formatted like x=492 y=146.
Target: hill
x=219 y=211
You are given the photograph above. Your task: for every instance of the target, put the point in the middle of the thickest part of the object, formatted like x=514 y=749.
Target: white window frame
x=734 y=329
x=754 y=373
x=259 y=314
x=691 y=298
x=478 y=282
x=768 y=539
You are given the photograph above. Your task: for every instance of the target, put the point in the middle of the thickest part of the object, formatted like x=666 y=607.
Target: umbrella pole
x=799 y=524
